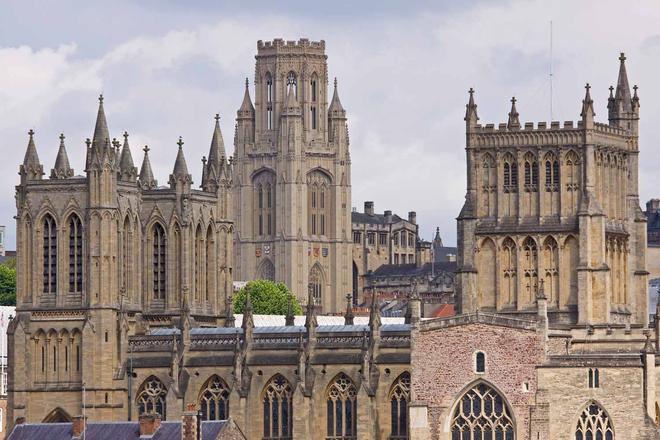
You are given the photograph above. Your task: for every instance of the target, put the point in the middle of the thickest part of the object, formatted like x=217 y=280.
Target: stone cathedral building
x=292 y=176
x=122 y=288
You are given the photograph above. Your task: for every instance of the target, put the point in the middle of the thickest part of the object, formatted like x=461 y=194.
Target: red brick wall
x=443 y=366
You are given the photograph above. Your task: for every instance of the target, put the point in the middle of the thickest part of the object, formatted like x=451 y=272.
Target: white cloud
x=403 y=80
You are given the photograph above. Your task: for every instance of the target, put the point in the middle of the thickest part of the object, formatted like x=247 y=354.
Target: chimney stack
x=369 y=208
x=189 y=423
x=388 y=216
x=149 y=424
x=78 y=426
x=412 y=217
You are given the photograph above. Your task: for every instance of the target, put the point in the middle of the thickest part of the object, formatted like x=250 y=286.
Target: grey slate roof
x=108 y=431
x=407 y=270
x=375 y=219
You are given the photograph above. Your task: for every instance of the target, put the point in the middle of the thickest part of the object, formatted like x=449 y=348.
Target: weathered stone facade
x=292 y=185
x=553 y=338
x=102 y=255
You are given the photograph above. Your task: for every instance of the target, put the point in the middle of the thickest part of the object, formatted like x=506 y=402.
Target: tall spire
x=247 y=109
x=31 y=169
x=471 y=117
x=514 y=121
x=101 y=133
x=622 y=94
x=62 y=169
x=336 y=109
x=180 y=171
x=147 y=180
x=127 y=169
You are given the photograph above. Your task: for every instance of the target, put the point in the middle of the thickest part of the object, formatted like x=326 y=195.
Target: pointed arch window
x=531 y=173
x=151 y=397
x=210 y=263
x=482 y=414
x=551 y=173
x=399 y=400
x=75 y=254
x=318 y=203
x=50 y=255
x=530 y=261
x=264 y=207
x=199 y=263
x=269 y=101
x=341 y=409
x=510 y=174
x=314 y=93
x=594 y=424
x=278 y=409
x=214 y=399
x=159 y=261
x=126 y=251
x=315 y=287
x=292 y=81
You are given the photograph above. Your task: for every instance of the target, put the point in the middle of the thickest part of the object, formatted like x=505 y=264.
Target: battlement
x=278 y=45
x=529 y=126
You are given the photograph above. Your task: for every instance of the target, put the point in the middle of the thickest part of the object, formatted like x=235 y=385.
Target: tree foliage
x=267 y=297
x=8 y=284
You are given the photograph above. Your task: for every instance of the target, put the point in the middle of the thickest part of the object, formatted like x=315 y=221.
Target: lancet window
x=399 y=399
x=75 y=254
x=159 y=261
x=50 y=255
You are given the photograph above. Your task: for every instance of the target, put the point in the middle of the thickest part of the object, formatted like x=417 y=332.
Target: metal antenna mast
x=551 y=109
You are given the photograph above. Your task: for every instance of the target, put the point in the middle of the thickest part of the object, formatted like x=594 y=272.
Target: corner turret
x=147 y=180
x=471 y=117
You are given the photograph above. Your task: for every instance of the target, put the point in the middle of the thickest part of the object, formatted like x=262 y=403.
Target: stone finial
x=31 y=169
x=471 y=116
x=147 y=180
x=374 y=313
x=247 y=109
x=180 y=170
x=348 y=316
x=127 y=170
x=336 y=109
x=587 y=113
x=514 y=120
x=213 y=168
x=62 y=169
x=648 y=344
x=622 y=94
x=101 y=133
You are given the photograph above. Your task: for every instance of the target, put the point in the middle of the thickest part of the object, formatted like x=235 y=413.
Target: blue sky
x=166 y=67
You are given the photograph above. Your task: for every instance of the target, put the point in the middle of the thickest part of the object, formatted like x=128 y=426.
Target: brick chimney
x=189 y=423
x=78 y=426
x=369 y=208
x=149 y=424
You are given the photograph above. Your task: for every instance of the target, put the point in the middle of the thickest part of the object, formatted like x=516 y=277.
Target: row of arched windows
x=277 y=403
x=50 y=255
x=512 y=272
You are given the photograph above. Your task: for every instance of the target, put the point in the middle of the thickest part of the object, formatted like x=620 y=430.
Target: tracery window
x=315 y=280
x=151 y=397
x=530 y=272
x=510 y=174
x=214 y=399
x=531 y=173
x=482 y=414
x=342 y=409
x=551 y=270
x=509 y=271
x=318 y=202
x=278 y=409
x=312 y=109
x=551 y=173
x=594 y=424
x=399 y=399
x=267 y=270
x=126 y=251
x=159 y=261
x=264 y=208
x=50 y=255
x=75 y=255
x=199 y=263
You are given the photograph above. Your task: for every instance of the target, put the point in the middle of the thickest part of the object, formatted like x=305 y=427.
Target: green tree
x=267 y=297
x=7 y=285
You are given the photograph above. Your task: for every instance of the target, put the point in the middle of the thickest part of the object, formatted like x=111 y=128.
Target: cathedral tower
x=292 y=191
x=555 y=209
